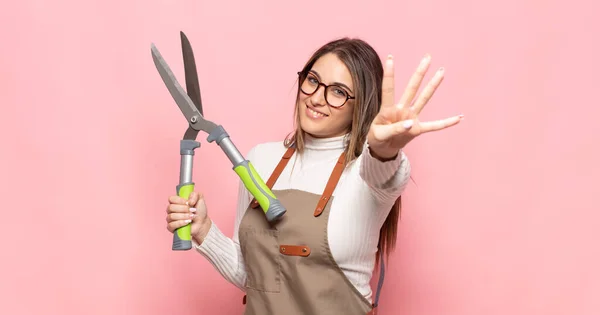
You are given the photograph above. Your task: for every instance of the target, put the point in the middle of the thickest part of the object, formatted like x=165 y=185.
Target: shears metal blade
x=192 y=83
x=183 y=100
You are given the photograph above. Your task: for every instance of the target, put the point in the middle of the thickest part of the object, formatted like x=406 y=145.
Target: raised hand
x=397 y=124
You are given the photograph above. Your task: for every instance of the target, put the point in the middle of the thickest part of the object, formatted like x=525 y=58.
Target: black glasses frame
x=303 y=75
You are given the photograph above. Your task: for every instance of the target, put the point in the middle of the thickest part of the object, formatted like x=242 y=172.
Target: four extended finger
x=415 y=81
x=387 y=85
x=428 y=91
x=388 y=131
x=440 y=124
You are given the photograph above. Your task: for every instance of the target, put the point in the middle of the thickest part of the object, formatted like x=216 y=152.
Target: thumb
x=193 y=199
x=385 y=132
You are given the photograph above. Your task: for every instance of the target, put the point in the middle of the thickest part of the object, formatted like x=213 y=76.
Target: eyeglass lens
x=334 y=95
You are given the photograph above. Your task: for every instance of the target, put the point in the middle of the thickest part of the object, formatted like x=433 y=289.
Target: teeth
x=315 y=114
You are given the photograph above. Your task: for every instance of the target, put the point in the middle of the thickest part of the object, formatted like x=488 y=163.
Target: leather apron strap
x=329 y=188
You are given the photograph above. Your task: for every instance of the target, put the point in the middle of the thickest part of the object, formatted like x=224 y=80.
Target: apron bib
x=290 y=269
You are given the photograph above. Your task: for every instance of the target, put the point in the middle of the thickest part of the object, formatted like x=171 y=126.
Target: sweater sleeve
x=224 y=253
x=388 y=179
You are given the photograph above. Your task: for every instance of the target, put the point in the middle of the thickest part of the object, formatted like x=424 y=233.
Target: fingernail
x=193 y=209
x=441 y=69
x=192 y=215
x=461 y=116
x=188 y=221
x=390 y=56
x=407 y=124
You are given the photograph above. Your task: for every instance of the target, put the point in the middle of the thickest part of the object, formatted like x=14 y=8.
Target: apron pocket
x=262 y=259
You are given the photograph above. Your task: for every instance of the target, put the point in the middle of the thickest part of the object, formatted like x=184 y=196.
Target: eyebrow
x=334 y=83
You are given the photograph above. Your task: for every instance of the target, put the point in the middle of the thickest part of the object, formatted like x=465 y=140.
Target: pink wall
x=503 y=218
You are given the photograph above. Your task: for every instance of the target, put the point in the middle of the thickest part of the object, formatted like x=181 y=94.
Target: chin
x=316 y=130
x=310 y=128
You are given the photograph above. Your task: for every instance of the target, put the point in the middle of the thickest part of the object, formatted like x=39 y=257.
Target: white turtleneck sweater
x=362 y=200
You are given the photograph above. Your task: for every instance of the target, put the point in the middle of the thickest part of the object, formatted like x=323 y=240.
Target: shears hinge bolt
x=194 y=119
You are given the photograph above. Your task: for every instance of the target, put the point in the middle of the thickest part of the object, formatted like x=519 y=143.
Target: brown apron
x=290 y=269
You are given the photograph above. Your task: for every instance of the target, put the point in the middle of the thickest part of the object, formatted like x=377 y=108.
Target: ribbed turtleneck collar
x=333 y=143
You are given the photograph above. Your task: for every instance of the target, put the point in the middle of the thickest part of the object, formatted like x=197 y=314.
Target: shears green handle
x=182 y=237
x=270 y=205
x=268 y=202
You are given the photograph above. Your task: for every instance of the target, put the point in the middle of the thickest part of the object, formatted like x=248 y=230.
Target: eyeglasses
x=335 y=95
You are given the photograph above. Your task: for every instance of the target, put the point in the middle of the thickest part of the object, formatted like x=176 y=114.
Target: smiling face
x=317 y=118
x=351 y=69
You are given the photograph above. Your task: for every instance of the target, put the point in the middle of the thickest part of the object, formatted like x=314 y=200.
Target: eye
x=340 y=92
x=312 y=80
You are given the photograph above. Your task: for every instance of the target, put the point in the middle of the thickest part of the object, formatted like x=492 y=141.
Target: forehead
x=332 y=70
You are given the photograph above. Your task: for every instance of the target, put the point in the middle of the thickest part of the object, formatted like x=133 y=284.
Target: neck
x=328 y=143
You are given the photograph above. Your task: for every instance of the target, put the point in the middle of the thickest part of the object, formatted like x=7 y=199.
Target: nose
x=318 y=97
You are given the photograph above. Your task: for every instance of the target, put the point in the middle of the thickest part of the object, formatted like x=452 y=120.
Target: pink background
x=503 y=218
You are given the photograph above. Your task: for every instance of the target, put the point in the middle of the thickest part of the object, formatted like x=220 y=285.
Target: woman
x=342 y=190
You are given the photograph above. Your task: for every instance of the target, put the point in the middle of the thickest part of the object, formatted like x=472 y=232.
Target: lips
x=314 y=109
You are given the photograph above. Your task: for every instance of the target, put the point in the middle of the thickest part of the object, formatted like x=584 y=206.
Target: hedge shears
x=190 y=105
